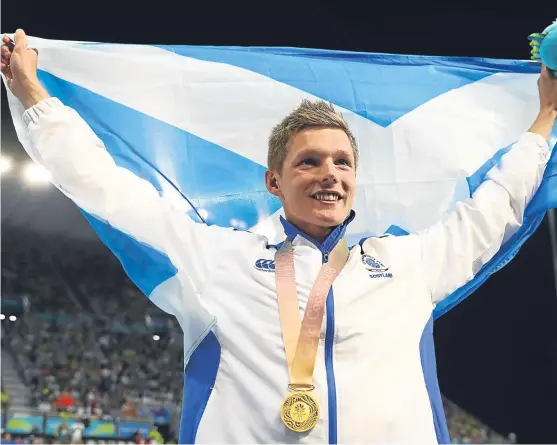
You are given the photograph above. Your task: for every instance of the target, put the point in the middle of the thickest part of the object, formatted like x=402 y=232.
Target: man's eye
x=344 y=163
x=308 y=161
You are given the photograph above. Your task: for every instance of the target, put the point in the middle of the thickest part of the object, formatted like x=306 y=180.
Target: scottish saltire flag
x=194 y=121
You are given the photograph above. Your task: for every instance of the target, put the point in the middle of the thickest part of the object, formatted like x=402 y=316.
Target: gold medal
x=300 y=411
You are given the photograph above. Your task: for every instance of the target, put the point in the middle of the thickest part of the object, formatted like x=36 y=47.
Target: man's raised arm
x=455 y=249
x=83 y=169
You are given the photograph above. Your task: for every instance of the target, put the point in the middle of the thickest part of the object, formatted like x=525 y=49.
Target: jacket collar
x=329 y=243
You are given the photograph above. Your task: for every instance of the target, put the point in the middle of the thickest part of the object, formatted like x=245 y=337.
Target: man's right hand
x=547 y=86
x=20 y=68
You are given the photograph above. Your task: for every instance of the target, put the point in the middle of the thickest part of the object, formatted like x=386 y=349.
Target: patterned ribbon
x=301 y=338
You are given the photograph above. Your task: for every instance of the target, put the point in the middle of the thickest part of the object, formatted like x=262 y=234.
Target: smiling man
x=306 y=341
x=312 y=160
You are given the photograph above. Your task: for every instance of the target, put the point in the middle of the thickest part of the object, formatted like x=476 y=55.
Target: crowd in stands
x=466 y=429
x=85 y=346
x=73 y=365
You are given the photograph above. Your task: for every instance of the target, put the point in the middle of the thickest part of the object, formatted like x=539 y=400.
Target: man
x=257 y=373
x=62 y=432
x=5 y=400
x=77 y=428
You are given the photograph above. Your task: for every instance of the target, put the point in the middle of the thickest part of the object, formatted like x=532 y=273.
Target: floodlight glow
x=35 y=174
x=6 y=164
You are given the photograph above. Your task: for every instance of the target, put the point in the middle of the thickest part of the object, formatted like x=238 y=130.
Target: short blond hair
x=310 y=114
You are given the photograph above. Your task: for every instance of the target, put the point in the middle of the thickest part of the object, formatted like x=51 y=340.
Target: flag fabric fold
x=194 y=122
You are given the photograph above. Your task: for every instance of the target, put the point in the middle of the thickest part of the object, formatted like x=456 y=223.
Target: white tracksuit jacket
x=375 y=374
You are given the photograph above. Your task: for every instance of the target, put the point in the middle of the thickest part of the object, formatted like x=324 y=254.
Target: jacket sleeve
x=455 y=249
x=84 y=171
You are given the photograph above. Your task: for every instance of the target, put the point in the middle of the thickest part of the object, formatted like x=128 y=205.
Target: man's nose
x=328 y=171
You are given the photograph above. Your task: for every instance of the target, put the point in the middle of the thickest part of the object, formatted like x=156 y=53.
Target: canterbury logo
x=265 y=265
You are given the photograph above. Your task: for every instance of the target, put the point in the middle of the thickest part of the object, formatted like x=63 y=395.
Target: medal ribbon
x=301 y=338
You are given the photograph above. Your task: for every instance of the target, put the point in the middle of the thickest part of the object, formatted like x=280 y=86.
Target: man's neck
x=317 y=233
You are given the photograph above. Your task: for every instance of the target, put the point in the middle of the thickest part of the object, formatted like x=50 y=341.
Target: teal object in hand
x=544 y=47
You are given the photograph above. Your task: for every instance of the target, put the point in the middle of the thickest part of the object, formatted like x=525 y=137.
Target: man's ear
x=272 y=183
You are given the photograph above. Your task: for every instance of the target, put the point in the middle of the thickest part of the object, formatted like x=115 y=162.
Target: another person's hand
x=20 y=69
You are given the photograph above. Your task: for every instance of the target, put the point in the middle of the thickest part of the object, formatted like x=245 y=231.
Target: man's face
x=318 y=180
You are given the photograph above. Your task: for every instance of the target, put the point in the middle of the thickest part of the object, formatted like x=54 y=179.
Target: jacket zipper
x=329 y=366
